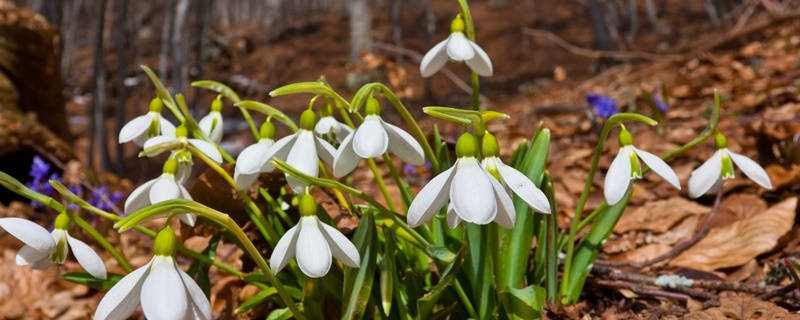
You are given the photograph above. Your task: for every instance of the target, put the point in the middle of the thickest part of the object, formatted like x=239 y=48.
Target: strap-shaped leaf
x=86 y=279
x=358 y=281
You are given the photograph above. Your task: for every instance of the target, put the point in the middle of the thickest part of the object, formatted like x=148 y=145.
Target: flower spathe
x=457 y=48
x=301 y=150
x=146 y=126
x=474 y=195
x=372 y=139
x=162 y=289
x=625 y=167
x=180 y=136
x=719 y=167
x=252 y=159
x=313 y=243
x=163 y=188
x=211 y=124
x=42 y=249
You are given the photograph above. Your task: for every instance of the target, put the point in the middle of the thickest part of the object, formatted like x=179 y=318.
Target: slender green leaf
x=219 y=87
x=88 y=280
x=426 y=303
x=525 y=303
x=388 y=273
x=255 y=300
x=269 y=111
x=199 y=269
x=358 y=281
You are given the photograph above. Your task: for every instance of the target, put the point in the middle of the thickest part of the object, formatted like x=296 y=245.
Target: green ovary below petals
x=165 y=242
x=307 y=206
x=467 y=145
x=307 y=120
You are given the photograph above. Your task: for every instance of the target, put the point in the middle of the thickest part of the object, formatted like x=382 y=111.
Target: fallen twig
x=620 y=55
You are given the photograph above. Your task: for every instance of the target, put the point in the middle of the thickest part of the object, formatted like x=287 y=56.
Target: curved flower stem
x=465 y=299
x=470 y=28
x=402 y=185
x=381 y=184
x=101 y=241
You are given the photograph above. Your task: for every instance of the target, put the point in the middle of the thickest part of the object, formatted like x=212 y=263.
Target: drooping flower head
x=327 y=124
x=147 y=126
x=372 y=139
x=626 y=167
x=179 y=141
x=164 y=291
x=603 y=106
x=211 y=124
x=165 y=187
x=313 y=243
x=712 y=173
x=42 y=249
x=252 y=160
x=301 y=150
x=457 y=48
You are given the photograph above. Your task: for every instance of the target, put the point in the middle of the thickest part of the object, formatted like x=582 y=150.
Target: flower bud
x=216 y=105
x=156 y=105
x=466 y=146
x=307 y=206
x=373 y=106
x=170 y=166
x=307 y=120
x=165 y=242
x=457 y=25
x=62 y=221
x=267 y=130
x=489 y=146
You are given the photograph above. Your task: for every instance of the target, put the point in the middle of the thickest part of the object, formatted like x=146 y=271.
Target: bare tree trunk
x=98 y=136
x=600 y=35
x=121 y=44
x=166 y=33
x=360 y=26
x=397 y=30
x=633 y=20
x=180 y=73
x=201 y=24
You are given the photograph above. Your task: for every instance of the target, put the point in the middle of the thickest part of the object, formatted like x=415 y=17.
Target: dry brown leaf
x=742 y=307
x=735 y=244
x=658 y=216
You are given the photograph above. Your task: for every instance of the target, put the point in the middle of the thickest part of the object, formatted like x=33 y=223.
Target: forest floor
x=738 y=264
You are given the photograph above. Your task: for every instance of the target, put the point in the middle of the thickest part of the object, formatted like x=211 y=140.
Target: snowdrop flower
x=148 y=125
x=301 y=150
x=625 y=167
x=313 y=243
x=42 y=248
x=211 y=124
x=327 y=124
x=372 y=138
x=711 y=174
x=162 y=289
x=457 y=48
x=475 y=196
x=252 y=159
x=181 y=141
x=165 y=187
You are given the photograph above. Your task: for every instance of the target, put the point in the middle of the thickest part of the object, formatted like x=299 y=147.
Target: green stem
x=381 y=184
x=101 y=241
x=276 y=206
x=470 y=28
x=465 y=299
x=402 y=186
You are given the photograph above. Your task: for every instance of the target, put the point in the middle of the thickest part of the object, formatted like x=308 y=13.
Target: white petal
x=211 y=125
x=480 y=63
x=312 y=252
x=139 y=198
x=279 y=150
x=154 y=141
x=208 y=149
x=342 y=132
x=87 y=258
x=123 y=298
x=434 y=59
x=326 y=125
x=346 y=159
x=752 y=170
x=251 y=159
x=29 y=233
x=325 y=150
x=167 y=128
x=188 y=218
x=404 y=146
x=135 y=128
x=341 y=247
x=198 y=298
x=618 y=177
x=284 y=250
x=163 y=293
x=524 y=188
x=452 y=217
x=658 y=166
x=303 y=156
x=506 y=216
x=28 y=255
x=706 y=175
x=458 y=47
x=370 y=139
x=164 y=189
x=471 y=193
x=430 y=199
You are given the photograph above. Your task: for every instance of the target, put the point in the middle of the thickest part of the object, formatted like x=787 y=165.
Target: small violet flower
x=457 y=48
x=160 y=189
x=603 y=106
x=372 y=139
x=211 y=124
x=658 y=101
x=313 y=243
x=42 y=249
x=164 y=291
x=252 y=160
x=712 y=173
x=39 y=168
x=146 y=126
x=626 y=167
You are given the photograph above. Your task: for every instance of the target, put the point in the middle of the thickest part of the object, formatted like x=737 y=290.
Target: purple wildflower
x=39 y=168
x=603 y=106
x=101 y=192
x=409 y=170
x=659 y=101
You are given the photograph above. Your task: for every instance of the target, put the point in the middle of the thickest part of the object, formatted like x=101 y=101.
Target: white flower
x=625 y=167
x=371 y=139
x=329 y=125
x=211 y=125
x=301 y=150
x=208 y=149
x=511 y=178
x=313 y=243
x=162 y=289
x=165 y=187
x=139 y=128
x=458 y=48
x=43 y=248
x=474 y=195
x=252 y=160
x=720 y=167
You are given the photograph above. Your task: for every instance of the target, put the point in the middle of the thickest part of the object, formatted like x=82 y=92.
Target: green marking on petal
x=60 y=254
x=165 y=242
x=636 y=167
x=727 y=166
x=155 y=127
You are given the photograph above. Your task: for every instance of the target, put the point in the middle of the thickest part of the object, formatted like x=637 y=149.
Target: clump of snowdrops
x=460 y=246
